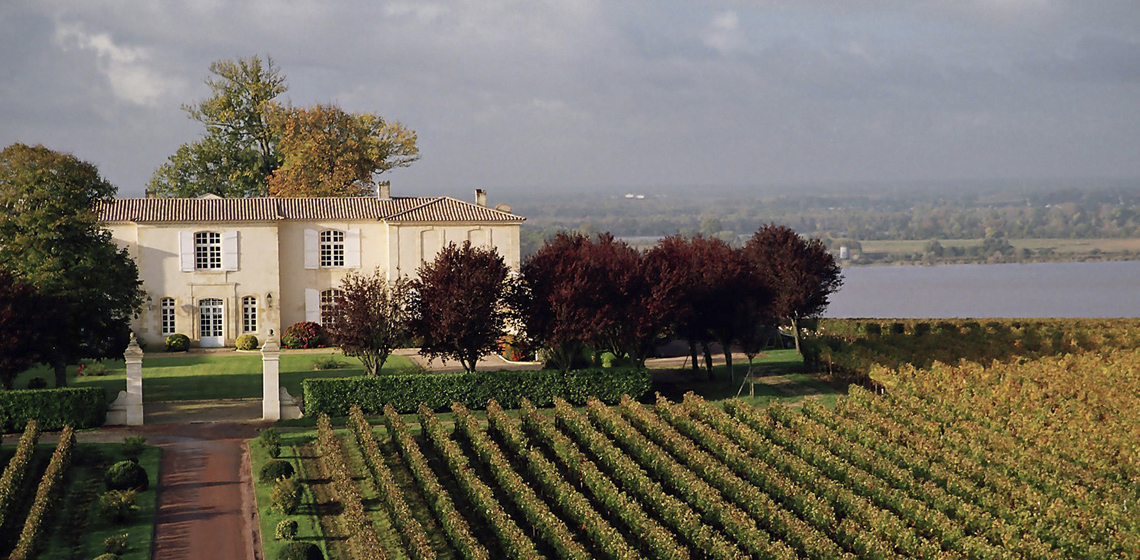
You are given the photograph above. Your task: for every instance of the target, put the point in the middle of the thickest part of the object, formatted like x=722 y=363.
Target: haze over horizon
x=555 y=95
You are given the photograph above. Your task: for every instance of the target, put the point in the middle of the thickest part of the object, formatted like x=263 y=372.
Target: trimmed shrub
x=79 y=407
x=37 y=383
x=133 y=446
x=286 y=530
x=275 y=469
x=405 y=392
x=305 y=334
x=268 y=436
x=274 y=450
x=93 y=369
x=327 y=362
x=246 y=342
x=116 y=544
x=285 y=495
x=118 y=506
x=300 y=550
x=177 y=342
x=126 y=475
x=107 y=556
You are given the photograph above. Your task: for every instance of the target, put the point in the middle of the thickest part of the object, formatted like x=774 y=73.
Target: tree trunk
x=728 y=360
x=693 y=352
x=796 y=333
x=708 y=359
x=60 y=368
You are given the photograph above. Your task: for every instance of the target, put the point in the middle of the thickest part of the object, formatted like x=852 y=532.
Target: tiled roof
x=213 y=209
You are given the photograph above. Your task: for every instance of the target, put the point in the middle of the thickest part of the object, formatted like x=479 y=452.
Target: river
x=1082 y=289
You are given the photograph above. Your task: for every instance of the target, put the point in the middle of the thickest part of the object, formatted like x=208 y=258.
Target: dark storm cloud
x=563 y=93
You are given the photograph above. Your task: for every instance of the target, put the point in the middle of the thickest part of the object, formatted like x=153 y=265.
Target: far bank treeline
x=581 y=294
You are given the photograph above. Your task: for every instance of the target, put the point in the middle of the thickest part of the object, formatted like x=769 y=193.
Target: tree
x=328 y=152
x=588 y=292
x=20 y=327
x=708 y=284
x=461 y=305
x=239 y=150
x=371 y=318
x=800 y=273
x=255 y=146
x=52 y=240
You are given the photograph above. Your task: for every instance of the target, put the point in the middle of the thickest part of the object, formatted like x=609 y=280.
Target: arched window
x=167 y=305
x=207 y=250
x=332 y=248
x=249 y=314
x=328 y=306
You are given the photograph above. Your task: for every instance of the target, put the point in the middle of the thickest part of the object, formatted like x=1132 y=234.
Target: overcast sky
x=557 y=94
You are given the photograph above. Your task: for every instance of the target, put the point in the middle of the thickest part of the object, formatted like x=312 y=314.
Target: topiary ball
x=286 y=530
x=246 y=342
x=177 y=342
x=300 y=550
x=276 y=468
x=126 y=475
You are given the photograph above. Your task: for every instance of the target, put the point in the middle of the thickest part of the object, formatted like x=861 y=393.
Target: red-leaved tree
x=800 y=273
x=588 y=292
x=372 y=318
x=461 y=303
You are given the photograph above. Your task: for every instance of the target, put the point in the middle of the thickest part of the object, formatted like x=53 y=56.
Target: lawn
x=207 y=376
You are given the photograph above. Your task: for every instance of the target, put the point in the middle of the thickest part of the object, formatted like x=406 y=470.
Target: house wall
x=272 y=262
x=157 y=253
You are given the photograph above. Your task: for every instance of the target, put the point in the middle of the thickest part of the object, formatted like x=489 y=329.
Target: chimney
x=149 y=193
x=384 y=190
x=480 y=197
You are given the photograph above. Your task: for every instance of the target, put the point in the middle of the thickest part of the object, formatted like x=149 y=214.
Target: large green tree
x=239 y=149
x=21 y=326
x=50 y=238
x=326 y=151
x=256 y=146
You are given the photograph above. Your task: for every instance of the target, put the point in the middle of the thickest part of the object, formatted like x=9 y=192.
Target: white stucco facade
x=214 y=269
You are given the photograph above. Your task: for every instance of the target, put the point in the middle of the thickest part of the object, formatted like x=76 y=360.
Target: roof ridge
x=429 y=202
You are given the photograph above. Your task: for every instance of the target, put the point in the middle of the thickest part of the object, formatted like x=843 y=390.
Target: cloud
x=126 y=68
x=723 y=34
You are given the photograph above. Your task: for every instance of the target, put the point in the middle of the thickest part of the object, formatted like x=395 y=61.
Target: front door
x=210 y=333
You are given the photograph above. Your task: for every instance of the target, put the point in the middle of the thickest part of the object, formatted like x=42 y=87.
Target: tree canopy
x=371 y=318
x=461 y=307
x=328 y=152
x=800 y=273
x=53 y=241
x=256 y=146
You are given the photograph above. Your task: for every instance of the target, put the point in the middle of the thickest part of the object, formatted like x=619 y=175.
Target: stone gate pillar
x=271 y=382
x=133 y=356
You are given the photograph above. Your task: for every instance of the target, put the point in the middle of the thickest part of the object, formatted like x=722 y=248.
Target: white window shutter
x=186 y=251
x=352 y=248
x=230 y=250
x=312 y=306
x=312 y=250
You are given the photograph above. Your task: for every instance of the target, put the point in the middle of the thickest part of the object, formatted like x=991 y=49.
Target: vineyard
x=1030 y=460
x=49 y=502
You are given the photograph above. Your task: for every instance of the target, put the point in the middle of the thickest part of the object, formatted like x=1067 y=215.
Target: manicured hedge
x=80 y=407
x=405 y=392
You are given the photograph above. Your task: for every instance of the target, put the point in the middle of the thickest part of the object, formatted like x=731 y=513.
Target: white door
x=210 y=333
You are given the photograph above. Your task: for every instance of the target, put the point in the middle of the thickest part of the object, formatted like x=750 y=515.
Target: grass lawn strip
x=308 y=525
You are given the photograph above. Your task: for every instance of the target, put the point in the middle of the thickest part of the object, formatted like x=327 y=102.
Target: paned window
x=167 y=305
x=332 y=248
x=249 y=314
x=328 y=306
x=207 y=250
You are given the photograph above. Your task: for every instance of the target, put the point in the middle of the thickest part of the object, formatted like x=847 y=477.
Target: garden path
x=205 y=503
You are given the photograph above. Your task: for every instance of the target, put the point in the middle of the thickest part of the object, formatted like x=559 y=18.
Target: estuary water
x=1083 y=289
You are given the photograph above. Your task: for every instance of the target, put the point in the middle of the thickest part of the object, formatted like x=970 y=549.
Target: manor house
x=216 y=268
